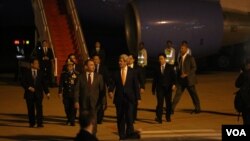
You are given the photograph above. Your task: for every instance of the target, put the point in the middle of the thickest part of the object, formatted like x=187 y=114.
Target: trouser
x=192 y=92
x=70 y=109
x=35 y=110
x=100 y=113
x=246 y=117
x=164 y=94
x=124 y=113
x=135 y=111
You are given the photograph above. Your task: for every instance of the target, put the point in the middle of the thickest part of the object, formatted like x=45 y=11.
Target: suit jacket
x=39 y=84
x=103 y=70
x=67 y=83
x=88 y=96
x=189 y=67
x=165 y=79
x=140 y=75
x=41 y=54
x=130 y=91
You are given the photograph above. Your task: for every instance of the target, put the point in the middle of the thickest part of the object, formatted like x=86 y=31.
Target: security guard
x=170 y=53
x=66 y=90
x=142 y=55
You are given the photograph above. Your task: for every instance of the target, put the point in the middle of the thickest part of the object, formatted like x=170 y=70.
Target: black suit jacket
x=39 y=84
x=140 y=75
x=45 y=63
x=166 y=79
x=130 y=91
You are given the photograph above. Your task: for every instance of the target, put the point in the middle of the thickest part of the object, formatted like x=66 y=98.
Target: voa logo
x=236 y=132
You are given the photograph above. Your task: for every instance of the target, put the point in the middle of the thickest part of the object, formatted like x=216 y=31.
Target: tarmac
x=215 y=90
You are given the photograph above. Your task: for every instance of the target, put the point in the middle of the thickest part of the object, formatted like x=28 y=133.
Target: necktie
x=123 y=76
x=34 y=74
x=45 y=50
x=89 y=79
x=162 y=69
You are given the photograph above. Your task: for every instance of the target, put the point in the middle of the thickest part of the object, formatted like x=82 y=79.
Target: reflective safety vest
x=142 y=60
x=170 y=55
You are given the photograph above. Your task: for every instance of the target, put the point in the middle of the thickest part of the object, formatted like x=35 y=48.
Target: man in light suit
x=35 y=86
x=186 y=78
x=87 y=90
x=126 y=86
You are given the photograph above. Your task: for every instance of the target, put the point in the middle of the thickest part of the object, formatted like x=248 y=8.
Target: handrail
x=42 y=27
x=79 y=41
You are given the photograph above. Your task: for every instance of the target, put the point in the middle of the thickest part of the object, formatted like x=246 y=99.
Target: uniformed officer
x=170 y=53
x=66 y=90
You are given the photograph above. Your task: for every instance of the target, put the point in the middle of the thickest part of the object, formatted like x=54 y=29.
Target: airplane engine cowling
x=200 y=22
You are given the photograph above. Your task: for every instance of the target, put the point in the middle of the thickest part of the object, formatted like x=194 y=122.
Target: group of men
x=35 y=81
x=84 y=86
x=174 y=74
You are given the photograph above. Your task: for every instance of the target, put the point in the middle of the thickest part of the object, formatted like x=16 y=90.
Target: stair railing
x=43 y=28
x=75 y=26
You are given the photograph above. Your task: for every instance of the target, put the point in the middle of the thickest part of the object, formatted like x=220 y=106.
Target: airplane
x=120 y=25
x=207 y=25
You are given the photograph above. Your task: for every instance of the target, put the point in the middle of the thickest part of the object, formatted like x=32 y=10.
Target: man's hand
x=173 y=87
x=139 y=102
x=45 y=58
x=110 y=95
x=48 y=95
x=183 y=75
x=60 y=95
x=77 y=105
x=31 y=89
x=142 y=91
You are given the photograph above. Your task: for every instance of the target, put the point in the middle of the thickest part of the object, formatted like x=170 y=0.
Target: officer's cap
x=69 y=62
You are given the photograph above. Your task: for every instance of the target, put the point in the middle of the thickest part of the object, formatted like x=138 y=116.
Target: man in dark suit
x=98 y=50
x=34 y=85
x=46 y=60
x=163 y=83
x=87 y=122
x=87 y=90
x=186 y=78
x=141 y=79
x=100 y=68
x=126 y=88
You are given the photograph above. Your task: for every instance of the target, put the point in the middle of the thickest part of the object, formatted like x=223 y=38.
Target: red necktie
x=89 y=80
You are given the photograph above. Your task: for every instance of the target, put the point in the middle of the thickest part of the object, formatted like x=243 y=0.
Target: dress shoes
x=196 y=111
x=134 y=135
x=122 y=138
x=32 y=125
x=40 y=126
x=172 y=111
x=168 y=119
x=158 y=120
